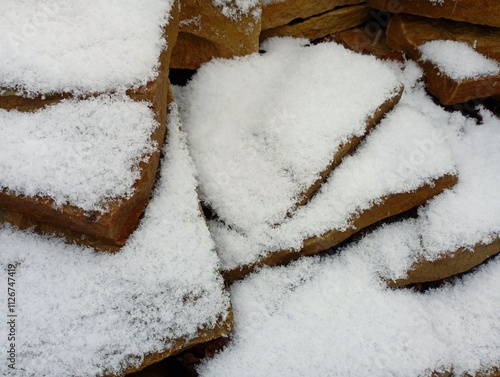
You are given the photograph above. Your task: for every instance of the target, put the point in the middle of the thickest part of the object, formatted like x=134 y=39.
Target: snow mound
x=79 y=152
x=262 y=128
x=458 y=60
x=407 y=150
x=332 y=316
x=80 y=46
x=83 y=313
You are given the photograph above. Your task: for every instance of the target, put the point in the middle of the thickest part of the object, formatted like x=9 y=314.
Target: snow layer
x=462 y=217
x=333 y=316
x=458 y=60
x=407 y=150
x=262 y=128
x=80 y=46
x=81 y=313
x=83 y=153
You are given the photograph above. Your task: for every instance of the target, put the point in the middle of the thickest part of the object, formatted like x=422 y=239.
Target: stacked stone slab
x=156 y=243
x=311 y=20
x=208 y=31
x=475 y=23
x=106 y=230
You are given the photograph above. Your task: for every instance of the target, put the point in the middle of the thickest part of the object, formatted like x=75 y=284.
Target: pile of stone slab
x=84 y=92
x=456 y=43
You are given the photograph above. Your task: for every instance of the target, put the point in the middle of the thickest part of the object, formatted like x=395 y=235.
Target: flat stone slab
x=261 y=148
x=98 y=314
x=281 y=12
x=210 y=31
x=410 y=34
x=323 y=24
x=362 y=40
x=482 y=12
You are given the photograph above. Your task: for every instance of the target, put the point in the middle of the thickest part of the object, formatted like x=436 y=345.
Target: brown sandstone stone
x=206 y=33
x=318 y=26
x=222 y=328
x=449 y=264
x=362 y=41
x=107 y=232
x=278 y=13
x=482 y=12
x=407 y=33
x=386 y=207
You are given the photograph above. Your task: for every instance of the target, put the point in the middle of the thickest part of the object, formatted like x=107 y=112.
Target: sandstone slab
x=361 y=40
x=388 y=206
x=278 y=13
x=450 y=264
x=320 y=25
x=109 y=230
x=482 y=12
x=207 y=31
x=408 y=33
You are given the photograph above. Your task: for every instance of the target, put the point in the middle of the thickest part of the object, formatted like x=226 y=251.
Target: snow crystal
x=261 y=128
x=79 y=152
x=407 y=150
x=458 y=60
x=334 y=317
x=80 y=46
x=83 y=313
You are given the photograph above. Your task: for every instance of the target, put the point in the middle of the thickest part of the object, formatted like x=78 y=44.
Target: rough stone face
x=482 y=12
x=279 y=13
x=362 y=41
x=407 y=33
x=388 y=206
x=206 y=33
x=109 y=231
x=318 y=26
x=448 y=265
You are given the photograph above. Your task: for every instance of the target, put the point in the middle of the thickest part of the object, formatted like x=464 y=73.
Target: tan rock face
x=318 y=26
x=482 y=12
x=279 y=13
x=206 y=33
x=407 y=33
x=106 y=232
x=362 y=41
x=388 y=206
x=448 y=265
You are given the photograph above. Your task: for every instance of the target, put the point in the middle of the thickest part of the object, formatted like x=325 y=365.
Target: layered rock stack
x=346 y=145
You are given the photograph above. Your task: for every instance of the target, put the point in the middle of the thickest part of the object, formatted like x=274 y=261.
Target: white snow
x=81 y=313
x=462 y=217
x=333 y=316
x=80 y=46
x=458 y=60
x=407 y=150
x=261 y=128
x=235 y=9
x=79 y=152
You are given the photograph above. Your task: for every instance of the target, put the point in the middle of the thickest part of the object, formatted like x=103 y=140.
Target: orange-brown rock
x=176 y=346
x=318 y=26
x=110 y=230
x=386 y=207
x=206 y=33
x=281 y=12
x=482 y=12
x=407 y=33
x=448 y=264
x=361 y=40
